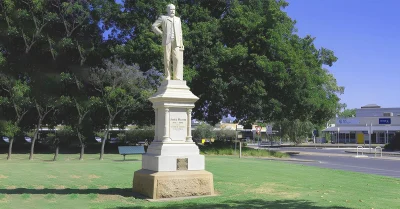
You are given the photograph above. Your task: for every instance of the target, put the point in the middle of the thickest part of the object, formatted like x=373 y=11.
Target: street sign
x=269 y=129
x=385 y=120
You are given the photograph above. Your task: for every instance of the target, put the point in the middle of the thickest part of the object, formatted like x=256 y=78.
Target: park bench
x=130 y=150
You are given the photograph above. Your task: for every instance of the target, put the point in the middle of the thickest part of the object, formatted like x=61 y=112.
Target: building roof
x=371 y=106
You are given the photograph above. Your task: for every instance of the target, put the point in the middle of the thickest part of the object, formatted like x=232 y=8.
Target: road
x=339 y=159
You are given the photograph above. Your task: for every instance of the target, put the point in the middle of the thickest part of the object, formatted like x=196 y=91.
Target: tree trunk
x=34 y=139
x=103 y=141
x=32 y=148
x=82 y=152
x=56 y=153
x=10 y=148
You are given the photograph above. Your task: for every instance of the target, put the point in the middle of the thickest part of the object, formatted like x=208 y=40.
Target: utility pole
x=235 y=138
x=370 y=138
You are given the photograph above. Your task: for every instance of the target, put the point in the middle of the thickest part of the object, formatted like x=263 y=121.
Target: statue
x=172 y=42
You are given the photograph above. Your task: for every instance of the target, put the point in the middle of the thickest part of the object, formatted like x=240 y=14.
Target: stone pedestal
x=173 y=166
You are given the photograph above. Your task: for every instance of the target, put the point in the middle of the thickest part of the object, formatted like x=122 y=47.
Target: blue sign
x=385 y=120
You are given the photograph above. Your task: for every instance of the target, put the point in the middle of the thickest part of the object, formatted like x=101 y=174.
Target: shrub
x=227 y=149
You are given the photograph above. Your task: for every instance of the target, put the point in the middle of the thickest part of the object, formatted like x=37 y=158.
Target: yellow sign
x=203 y=140
x=360 y=138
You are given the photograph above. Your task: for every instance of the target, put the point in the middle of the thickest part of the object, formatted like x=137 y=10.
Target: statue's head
x=171 y=10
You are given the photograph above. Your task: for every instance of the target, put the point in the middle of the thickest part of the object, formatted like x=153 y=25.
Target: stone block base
x=158 y=185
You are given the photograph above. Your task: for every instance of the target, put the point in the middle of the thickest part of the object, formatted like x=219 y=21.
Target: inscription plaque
x=182 y=164
x=178 y=124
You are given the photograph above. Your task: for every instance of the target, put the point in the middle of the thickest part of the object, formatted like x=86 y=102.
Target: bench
x=130 y=150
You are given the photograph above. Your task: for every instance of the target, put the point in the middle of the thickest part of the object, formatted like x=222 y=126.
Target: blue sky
x=365 y=36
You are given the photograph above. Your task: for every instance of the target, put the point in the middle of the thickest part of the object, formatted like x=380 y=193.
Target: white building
x=371 y=122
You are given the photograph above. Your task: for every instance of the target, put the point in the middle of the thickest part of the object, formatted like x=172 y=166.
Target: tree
x=241 y=58
x=39 y=39
x=203 y=131
x=10 y=130
x=120 y=87
x=16 y=96
x=225 y=134
x=47 y=97
x=348 y=113
x=295 y=130
x=81 y=102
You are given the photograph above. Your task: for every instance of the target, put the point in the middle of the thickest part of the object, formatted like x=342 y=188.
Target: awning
x=347 y=128
x=385 y=128
x=361 y=128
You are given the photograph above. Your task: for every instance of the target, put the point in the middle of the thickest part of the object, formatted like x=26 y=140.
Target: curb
x=282 y=159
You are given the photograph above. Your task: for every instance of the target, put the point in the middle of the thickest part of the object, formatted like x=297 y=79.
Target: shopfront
x=360 y=130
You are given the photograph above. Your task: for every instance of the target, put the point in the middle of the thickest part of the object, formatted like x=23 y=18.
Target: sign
x=385 y=120
x=269 y=129
x=347 y=121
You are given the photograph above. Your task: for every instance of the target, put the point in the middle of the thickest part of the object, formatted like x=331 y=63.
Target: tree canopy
x=242 y=58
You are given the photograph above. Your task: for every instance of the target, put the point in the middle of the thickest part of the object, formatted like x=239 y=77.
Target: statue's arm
x=156 y=26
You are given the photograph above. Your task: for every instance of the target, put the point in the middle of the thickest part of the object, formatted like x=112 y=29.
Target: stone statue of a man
x=172 y=42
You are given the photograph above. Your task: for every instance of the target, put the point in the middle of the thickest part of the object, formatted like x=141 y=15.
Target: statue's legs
x=177 y=58
x=167 y=60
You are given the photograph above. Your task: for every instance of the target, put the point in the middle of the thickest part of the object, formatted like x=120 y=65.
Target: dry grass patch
x=39 y=187
x=75 y=177
x=103 y=187
x=51 y=177
x=82 y=187
x=59 y=186
x=11 y=187
x=92 y=176
x=3 y=177
x=276 y=190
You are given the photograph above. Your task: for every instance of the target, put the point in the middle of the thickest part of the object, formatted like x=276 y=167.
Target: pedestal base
x=157 y=185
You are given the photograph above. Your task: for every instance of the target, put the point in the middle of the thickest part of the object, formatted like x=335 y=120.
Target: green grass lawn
x=239 y=183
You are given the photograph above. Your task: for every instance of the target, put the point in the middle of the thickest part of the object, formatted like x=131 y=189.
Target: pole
x=338 y=129
x=240 y=149
x=235 y=138
x=280 y=133
x=370 y=138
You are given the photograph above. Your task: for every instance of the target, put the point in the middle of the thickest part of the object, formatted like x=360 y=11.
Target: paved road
x=339 y=159
x=385 y=167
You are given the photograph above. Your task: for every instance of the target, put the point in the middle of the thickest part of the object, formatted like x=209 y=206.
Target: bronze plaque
x=182 y=164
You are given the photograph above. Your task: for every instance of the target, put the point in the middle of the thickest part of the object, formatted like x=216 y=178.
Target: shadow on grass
x=125 y=192
x=254 y=203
